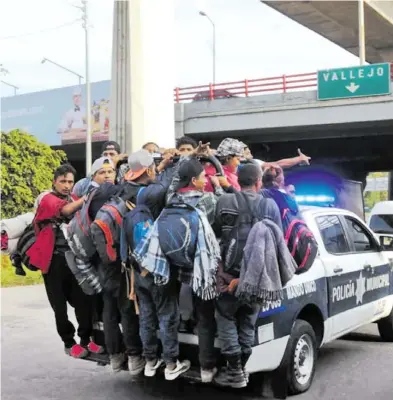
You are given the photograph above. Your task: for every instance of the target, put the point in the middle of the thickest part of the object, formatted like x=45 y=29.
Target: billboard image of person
x=58 y=116
x=73 y=125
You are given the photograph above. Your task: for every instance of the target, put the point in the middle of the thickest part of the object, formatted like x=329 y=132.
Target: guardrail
x=249 y=87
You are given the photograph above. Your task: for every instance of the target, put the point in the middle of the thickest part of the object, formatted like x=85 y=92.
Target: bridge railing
x=249 y=87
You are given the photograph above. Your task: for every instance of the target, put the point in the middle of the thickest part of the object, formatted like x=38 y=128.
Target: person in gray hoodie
x=236 y=320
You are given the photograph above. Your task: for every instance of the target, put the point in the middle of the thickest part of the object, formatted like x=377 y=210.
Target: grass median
x=8 y=277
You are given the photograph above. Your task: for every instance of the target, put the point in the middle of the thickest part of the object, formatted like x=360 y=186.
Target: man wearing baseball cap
x=103 y=170
x=230 y=152
x=111 y=150
x=141 y=173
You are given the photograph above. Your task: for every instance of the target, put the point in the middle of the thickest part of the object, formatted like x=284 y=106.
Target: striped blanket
x=150 y=256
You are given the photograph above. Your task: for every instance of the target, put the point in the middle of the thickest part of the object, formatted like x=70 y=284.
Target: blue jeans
x=158 y=304
x=235 y=325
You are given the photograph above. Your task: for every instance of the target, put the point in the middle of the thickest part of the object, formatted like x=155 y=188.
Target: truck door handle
x=337 y=270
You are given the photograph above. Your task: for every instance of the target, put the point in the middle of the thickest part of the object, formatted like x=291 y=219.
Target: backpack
x=77 y=231
x=106 y=228
x=300 y=241
x=26 y=240
x=298 y=237
x=136 y=224
x=248 y=216
x=178 y=226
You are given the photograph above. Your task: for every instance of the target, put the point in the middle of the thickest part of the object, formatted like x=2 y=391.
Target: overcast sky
x=253 y=41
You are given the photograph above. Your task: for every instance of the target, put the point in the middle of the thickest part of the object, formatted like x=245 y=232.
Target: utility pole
x=85 y=18
x=362 y=39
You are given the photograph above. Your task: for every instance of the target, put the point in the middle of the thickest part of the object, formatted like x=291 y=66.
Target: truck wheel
x=303 y=355
x=385 y=327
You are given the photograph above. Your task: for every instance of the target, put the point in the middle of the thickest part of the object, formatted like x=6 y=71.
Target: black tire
x=302 y=342
x=385 y=328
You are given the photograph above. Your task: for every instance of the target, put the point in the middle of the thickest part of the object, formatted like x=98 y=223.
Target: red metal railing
x=249 y=87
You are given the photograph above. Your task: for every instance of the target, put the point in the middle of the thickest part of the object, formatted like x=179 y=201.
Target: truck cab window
x=382 y=223
x=333 y=234
x=360 y=237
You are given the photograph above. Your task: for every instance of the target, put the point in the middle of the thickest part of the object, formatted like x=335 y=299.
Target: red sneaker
x=77 y=351
x=95 y=348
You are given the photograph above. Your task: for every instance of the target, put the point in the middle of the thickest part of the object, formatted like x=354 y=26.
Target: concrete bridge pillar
x=141 y=108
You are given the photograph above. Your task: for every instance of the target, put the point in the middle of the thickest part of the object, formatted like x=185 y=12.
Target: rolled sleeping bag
x=14 y=227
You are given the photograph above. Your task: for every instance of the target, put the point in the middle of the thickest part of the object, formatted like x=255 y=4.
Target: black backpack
x=26 y=240
x=249 y=215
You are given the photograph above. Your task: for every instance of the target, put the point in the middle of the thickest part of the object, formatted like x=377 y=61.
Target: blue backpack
x=178 y=232
x=136 y=224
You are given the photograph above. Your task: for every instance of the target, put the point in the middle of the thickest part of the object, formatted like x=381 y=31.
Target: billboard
x=58 y=116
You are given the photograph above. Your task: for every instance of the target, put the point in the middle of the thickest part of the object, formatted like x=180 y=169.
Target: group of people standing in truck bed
x=194 y=251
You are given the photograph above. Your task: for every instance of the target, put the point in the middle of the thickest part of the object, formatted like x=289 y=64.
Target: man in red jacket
x=48 y=255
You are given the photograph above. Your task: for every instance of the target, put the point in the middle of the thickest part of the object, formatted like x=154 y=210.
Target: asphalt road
x=34 y=367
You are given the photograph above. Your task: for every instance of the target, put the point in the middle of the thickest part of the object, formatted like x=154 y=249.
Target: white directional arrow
x=352 y=87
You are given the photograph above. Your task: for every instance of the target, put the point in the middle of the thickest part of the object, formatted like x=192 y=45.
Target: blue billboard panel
x=59 y=116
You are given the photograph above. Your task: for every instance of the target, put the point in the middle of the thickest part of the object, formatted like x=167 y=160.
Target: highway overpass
x=338 y=22
x=355 y=135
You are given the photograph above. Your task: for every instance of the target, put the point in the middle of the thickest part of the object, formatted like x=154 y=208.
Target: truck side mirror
x=386 y=243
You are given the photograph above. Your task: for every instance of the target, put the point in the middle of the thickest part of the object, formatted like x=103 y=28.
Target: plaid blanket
x=150 y=256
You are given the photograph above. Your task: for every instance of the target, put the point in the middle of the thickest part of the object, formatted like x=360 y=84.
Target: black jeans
x=62 y=287
x=206 y=332
x=206 y=324
x=119 y=308
x=158 y=305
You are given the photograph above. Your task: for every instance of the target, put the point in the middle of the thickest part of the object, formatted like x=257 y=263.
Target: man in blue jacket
x=141 y=173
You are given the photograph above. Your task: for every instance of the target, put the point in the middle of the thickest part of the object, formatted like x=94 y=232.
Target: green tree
x=27 y=168
x=371 y=198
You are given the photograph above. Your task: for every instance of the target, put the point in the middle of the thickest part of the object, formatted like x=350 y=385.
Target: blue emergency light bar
x=309 y=199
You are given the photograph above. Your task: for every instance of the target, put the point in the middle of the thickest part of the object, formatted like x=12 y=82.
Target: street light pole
x=80 y=77
x=13 y=86
x=362 y=40
x=88 y=93
x=214 y=44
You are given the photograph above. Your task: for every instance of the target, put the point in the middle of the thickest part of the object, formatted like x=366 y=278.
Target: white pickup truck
x=349 y=285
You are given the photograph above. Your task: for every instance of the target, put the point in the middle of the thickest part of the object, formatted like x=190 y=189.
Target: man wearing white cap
x=103 y=170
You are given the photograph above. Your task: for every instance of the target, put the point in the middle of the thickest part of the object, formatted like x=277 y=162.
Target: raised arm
x=290 y=162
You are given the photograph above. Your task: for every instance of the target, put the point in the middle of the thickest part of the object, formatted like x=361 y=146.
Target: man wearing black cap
x=190 y=189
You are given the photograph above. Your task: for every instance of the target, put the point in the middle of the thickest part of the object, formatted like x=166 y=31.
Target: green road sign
x=361 y=81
